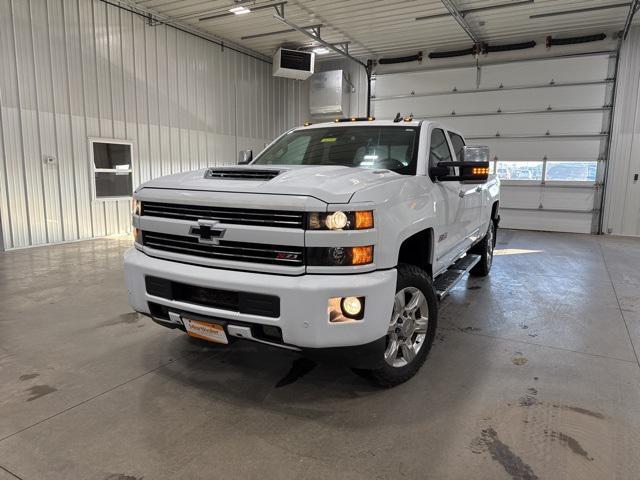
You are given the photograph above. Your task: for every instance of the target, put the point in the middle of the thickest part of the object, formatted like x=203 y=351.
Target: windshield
x=392 y=148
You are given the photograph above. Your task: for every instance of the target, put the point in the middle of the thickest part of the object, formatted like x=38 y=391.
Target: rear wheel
x=412 y=328
x=485 y=250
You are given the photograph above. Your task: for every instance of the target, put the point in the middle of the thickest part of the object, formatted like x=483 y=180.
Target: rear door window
x=458 y=145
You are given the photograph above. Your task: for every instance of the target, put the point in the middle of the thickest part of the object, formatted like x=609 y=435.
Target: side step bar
x=445 y=282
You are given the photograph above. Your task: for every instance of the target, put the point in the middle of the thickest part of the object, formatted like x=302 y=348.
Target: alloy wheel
x=408 y=327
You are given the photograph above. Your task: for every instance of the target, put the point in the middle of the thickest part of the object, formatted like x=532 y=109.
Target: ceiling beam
x=278 y=32
x=458 y=16
x=635 y=6
x=467 y=11
x=580 y=10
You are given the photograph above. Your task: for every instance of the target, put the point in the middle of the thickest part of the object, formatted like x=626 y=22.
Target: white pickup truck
x=337 y=240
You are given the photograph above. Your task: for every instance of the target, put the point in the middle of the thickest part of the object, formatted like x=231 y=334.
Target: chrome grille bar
x=227 y=250
x=236 y=216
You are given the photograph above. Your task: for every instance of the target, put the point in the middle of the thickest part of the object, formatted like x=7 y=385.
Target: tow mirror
x=245 y=157
x=474 y=167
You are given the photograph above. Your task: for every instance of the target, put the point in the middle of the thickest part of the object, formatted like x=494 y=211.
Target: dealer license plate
x=205 y=330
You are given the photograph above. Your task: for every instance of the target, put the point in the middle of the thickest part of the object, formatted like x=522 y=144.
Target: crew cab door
x=448 y=231
x=471 y=196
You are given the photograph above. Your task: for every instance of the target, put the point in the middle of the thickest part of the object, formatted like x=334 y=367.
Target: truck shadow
x=250 y=394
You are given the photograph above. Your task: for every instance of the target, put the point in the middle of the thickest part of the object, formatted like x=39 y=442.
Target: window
x=392 y=148
x=112 y=168
x=520 y=170
x=439 y=150
x=571 y=171
x=458 y=145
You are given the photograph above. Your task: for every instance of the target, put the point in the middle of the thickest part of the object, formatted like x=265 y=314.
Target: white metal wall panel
x=502 y=106
x=75 y=69
x=622 y=198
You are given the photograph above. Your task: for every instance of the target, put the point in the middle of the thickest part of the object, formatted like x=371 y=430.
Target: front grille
x=236 y=216
x=243 y=302
x=226 y=250
x=241 y=174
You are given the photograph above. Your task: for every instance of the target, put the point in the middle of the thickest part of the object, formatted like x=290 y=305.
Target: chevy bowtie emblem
x=207 y=232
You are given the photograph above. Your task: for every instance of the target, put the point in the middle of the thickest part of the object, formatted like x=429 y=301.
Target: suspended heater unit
x=293 y=64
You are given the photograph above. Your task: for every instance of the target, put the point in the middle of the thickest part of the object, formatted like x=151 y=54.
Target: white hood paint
x=331 y=184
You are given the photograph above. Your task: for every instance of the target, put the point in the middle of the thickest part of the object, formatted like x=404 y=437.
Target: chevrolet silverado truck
x=338 y=240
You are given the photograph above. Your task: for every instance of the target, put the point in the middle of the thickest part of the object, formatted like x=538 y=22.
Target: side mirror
x=245 y=157
x=474 y=167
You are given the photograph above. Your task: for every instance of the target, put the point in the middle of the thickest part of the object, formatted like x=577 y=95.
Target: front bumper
x=303 y=320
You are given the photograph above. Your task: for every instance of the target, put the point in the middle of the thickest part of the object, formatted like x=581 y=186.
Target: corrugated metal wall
x=74 y=69
x=622 y=196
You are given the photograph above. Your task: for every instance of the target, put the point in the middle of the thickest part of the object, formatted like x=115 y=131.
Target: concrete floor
x=534 y=375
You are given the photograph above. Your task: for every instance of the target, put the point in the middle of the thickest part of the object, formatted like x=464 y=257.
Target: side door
x=471 y=195
x=448 y=233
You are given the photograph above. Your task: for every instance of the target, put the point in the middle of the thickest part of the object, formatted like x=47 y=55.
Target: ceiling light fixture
x=320 y=50
x=239 y=10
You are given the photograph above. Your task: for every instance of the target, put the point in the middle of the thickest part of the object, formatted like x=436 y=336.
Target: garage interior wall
x=622 y=198
x=75 y=69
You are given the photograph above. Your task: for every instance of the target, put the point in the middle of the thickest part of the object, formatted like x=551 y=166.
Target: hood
x=331 y=184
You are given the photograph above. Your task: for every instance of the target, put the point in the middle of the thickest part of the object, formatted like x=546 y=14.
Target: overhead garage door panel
x=567 y=198
x=538 y=72
x=568 y=123
x=427 y=82
x=551 y=221
x=565 y=70
x=516 y=149
x=488 y=102
x=549 y=181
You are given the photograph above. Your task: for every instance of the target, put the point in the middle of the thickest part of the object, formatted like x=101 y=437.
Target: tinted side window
x=458 y=145
x=439 y=151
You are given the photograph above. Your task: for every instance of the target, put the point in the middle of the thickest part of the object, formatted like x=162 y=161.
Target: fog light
x=351 y=306
x=345 y=310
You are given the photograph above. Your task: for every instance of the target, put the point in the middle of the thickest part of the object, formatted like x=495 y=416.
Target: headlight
x=340 y=220
x=339 y=256
x=135 y=206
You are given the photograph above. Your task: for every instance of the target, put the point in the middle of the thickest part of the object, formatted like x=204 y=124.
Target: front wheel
x=412 y=328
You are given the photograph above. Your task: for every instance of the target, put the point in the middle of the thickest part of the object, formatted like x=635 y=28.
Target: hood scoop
x=242 y=174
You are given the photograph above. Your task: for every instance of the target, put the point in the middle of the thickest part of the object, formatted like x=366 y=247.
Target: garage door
x=546 y=122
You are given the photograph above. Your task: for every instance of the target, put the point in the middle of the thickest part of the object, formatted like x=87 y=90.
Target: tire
x=485 y=249
x=414 y=331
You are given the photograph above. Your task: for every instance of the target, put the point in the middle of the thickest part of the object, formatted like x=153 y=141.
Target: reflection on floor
x=534 y=374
